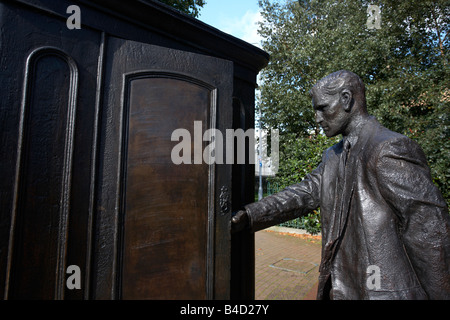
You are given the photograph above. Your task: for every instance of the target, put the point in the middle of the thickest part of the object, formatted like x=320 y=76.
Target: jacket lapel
x=344 y=197
x=352 y=169
x=345 y=187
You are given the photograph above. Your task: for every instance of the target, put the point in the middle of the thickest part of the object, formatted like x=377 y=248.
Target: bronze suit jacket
x=383 y=213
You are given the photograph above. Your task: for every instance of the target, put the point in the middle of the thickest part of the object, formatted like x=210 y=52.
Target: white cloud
x=244 y=27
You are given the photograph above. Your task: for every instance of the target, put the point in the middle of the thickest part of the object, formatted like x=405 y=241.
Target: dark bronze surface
x=86 y=176
x=379 y=206
x=164 y=236
x=166 y=210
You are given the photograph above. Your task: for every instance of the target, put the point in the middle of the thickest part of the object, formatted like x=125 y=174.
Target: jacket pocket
x=416 y=293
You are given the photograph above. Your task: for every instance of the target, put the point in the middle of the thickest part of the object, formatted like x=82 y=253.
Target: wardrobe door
x=48 y=112
x=163 y=226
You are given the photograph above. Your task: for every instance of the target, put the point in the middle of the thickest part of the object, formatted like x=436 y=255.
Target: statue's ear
x=347 y=99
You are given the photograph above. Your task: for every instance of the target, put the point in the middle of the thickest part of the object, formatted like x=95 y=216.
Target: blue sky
x=236 y=17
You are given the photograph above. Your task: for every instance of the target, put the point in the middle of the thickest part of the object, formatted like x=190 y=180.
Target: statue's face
x=330 y=112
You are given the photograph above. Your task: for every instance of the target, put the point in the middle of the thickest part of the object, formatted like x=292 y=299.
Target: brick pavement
x=286 y=266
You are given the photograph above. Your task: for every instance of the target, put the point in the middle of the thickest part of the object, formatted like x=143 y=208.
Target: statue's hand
x=239 y=221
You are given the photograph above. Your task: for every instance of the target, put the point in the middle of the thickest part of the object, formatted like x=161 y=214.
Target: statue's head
x=337 y=99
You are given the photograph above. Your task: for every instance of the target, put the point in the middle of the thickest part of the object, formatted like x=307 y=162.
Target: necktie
x=345 y=152
x=342 y=180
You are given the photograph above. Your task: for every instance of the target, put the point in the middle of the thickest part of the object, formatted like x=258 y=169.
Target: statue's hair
x=337 y=81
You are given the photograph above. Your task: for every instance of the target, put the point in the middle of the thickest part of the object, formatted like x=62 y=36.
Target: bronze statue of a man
x=380 y=209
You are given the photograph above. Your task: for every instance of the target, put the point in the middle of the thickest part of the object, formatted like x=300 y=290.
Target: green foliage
x=311 y=223
x=191 y=7
x=404 y=65
x=298 y=157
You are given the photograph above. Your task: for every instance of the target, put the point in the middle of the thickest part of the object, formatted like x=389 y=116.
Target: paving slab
x=286 y=265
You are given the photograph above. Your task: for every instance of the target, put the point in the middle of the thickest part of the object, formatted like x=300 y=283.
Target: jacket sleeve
x=404 y=181
x=292 y=202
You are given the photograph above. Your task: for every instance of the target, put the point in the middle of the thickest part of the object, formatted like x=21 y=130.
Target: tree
x=191 y=7
x=404 y=65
